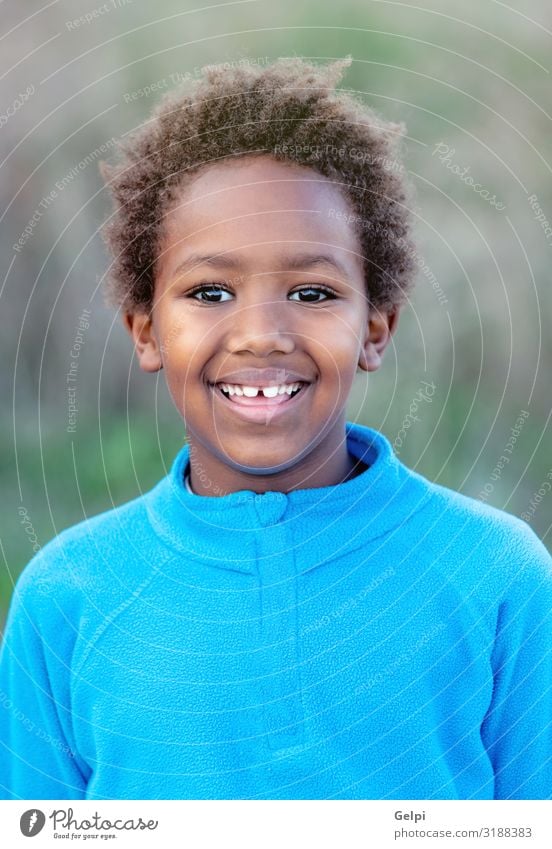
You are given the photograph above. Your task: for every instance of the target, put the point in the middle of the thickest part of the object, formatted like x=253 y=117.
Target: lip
x=261 y=413
x=262 y=377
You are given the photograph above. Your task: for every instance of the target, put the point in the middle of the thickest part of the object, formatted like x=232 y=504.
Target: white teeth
x=252 y=391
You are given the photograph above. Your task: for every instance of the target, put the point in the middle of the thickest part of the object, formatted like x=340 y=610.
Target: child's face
x=280 y=302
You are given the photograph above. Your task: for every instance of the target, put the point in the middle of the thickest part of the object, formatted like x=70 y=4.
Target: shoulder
x=491 y=524
x=488 y=538
x=107 y=554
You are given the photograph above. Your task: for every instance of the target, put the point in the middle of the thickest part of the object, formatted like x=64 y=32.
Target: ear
x=140 y=328
x=380 y=327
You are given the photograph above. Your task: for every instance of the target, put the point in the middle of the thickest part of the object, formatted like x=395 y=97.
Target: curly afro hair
x=289 y=110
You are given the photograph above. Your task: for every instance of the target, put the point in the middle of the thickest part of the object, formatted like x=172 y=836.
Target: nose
x=260 y=329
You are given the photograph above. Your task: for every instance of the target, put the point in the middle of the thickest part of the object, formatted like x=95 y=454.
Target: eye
x=313 y=295
x=214 y=293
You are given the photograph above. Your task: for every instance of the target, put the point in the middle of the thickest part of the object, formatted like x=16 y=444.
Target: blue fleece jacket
x=382 y=638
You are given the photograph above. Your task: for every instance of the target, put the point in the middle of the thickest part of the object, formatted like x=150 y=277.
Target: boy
x=291 y=613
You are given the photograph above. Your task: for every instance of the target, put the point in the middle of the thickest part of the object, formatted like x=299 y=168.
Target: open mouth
x=253 y=396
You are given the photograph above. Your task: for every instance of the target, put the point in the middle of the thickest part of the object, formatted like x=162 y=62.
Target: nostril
x=259 y=337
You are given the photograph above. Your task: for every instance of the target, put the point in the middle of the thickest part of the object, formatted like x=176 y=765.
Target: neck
x=209 y=476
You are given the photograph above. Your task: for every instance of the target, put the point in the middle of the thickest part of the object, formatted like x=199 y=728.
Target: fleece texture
x=384 y=638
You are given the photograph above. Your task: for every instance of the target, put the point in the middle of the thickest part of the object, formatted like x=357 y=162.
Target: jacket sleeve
x=38 y=757
x=517 y=731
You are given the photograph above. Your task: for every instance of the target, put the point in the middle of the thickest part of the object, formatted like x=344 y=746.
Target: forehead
x=263 y=206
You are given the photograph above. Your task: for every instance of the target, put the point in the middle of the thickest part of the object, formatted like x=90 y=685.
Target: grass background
x=476 y=78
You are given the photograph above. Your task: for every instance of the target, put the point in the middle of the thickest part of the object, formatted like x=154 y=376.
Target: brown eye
x=210 y=293
x=313 y=295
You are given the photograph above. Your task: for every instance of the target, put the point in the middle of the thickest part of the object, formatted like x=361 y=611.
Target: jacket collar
x=318 y=524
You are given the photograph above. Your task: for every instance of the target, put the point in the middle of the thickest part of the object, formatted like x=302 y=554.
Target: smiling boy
x=291 y=613
x=260 y=365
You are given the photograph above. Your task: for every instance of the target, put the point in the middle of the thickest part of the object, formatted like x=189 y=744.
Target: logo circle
x=32 y=822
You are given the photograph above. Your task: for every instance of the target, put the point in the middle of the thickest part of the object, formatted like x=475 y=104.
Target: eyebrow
x=288 y=262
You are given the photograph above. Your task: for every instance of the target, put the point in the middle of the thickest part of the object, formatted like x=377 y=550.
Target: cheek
x=338 y=351
x=178 y=367
x=184 y=342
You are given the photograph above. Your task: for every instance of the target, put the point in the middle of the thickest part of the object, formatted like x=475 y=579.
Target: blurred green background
x=474 y=79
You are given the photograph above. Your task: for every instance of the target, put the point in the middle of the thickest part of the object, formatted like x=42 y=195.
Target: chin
x=262 y=467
